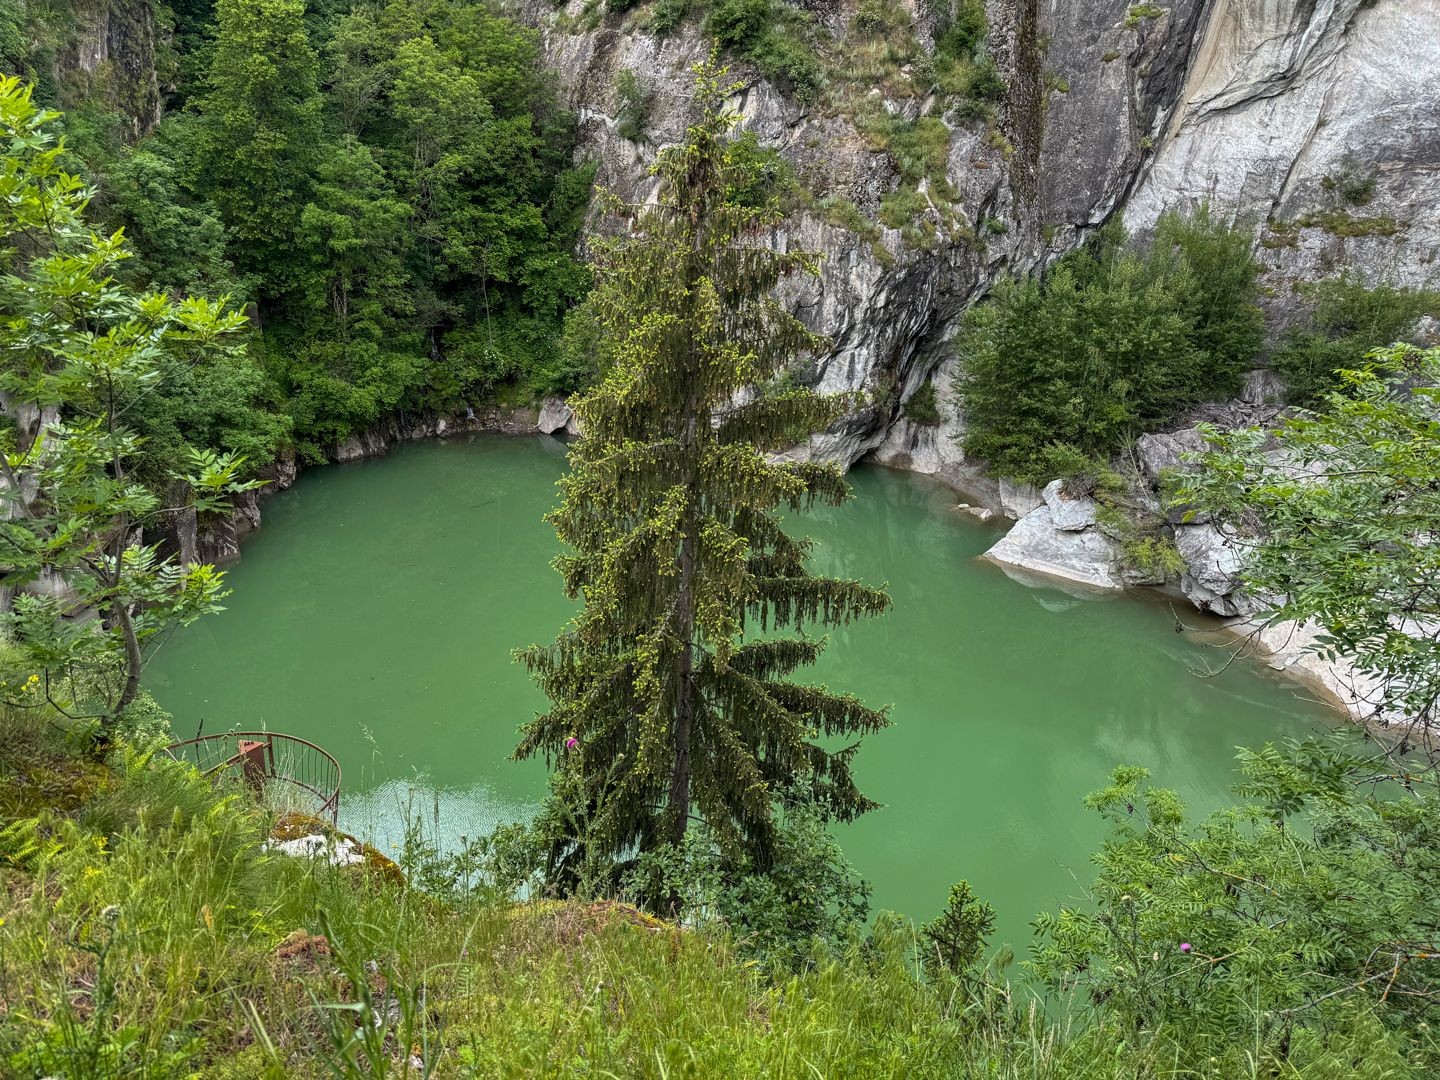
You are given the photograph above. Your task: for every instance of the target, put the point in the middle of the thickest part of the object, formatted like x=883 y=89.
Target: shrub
x=807 y=900
x=632 y=106
x=1346 y=321
x=771 y=36
x=960 y=28
x=1278 y=920
x=1062 y=370
x=901 y=207
x=762 y=173
x=961 y=66
x=738 y=24
x=922 y=406
x=668 y=14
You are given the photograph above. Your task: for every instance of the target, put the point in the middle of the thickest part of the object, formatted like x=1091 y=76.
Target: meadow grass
x=149 y=930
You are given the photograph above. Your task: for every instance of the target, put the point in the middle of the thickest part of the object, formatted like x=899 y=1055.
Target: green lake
x=376 y=611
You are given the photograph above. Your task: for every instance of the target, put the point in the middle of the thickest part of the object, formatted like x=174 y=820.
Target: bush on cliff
x=1109 y=343
x=1346 y=321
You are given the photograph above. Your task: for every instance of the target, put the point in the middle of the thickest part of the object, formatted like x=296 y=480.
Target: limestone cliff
x=1316 y=121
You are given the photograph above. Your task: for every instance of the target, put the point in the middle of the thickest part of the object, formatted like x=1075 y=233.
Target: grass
x=147 y=929
x=1139 y=12
x=1342 y=223
x=157 y=935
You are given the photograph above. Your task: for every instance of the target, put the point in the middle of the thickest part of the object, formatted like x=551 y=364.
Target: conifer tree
x=665 y=706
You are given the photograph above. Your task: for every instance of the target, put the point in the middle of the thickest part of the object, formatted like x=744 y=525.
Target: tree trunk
x=134 y=662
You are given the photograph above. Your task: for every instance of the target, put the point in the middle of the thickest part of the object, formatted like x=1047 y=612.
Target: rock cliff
x=1315 y=121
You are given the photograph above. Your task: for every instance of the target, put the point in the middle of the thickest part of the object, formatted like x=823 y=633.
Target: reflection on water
x=376 y=612
x=394 y=810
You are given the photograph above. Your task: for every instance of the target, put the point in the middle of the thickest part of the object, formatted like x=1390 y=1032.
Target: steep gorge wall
x=1269 y=110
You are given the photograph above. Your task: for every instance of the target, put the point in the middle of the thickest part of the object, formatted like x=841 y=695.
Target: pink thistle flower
x=572 y=743
x=1185 y=946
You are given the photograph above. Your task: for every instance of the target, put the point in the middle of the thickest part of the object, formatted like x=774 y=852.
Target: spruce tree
x=665 y=704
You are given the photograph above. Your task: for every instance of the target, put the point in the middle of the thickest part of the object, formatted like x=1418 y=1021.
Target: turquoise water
x=376 y=612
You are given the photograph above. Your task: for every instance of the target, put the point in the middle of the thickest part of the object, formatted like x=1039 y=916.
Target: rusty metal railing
x=268 y=761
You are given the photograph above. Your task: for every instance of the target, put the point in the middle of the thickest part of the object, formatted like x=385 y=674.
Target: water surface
x=376 y=612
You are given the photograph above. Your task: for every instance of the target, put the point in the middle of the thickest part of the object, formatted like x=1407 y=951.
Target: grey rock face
x=934 y=449
x=112 y=54
x=1319 y=116
x=1036 y=544
x=1068 y=514
x=1212 y=576
x=1017 y=500
x=1269 y=110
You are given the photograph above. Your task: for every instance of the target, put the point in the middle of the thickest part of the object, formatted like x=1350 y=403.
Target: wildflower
x=1185 y=947
x=110 y=912
x=572 y=743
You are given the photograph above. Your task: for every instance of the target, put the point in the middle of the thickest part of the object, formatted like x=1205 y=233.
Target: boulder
x=555 y=416
x=370 y=443
x=1068 y=514
x=1166 y=450
x=1263 y=387
x=53 y=586
x=1018 y=500
x=1087 y=556
x=1211 y=579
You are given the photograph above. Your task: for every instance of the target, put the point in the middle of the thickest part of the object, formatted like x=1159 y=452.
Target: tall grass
x=148 y=930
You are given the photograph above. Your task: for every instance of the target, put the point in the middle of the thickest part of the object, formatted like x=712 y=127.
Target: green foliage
x=153 y=933
x=1274 y=924
x=1340 y=525
x=85 y=360
x=658 y=700
x=1347 y=320
x=1140 y=12
x=387 y=186
x=1110 y=342
x=632 y=106
x=774 y=37
x=962 y=67
x=955 y=940
x=900 y=208
x=1340 y=222
x=802 y=907
x=761 y=177
x=922 y=407
x=260 y=127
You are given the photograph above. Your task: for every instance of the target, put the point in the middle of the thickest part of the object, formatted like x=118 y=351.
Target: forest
x=353 y=212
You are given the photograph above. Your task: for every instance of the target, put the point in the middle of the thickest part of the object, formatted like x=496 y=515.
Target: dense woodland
x=351 y=212
x=387 y=191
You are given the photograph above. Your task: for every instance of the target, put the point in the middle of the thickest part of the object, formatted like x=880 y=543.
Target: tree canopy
x=1336 y=510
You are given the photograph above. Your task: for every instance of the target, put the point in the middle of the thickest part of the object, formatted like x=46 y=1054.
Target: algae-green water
x=376 y=611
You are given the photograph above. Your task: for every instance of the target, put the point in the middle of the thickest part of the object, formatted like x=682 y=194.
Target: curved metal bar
x=302 y=764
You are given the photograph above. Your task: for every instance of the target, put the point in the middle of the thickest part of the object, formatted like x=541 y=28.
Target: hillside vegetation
x=147 y=930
